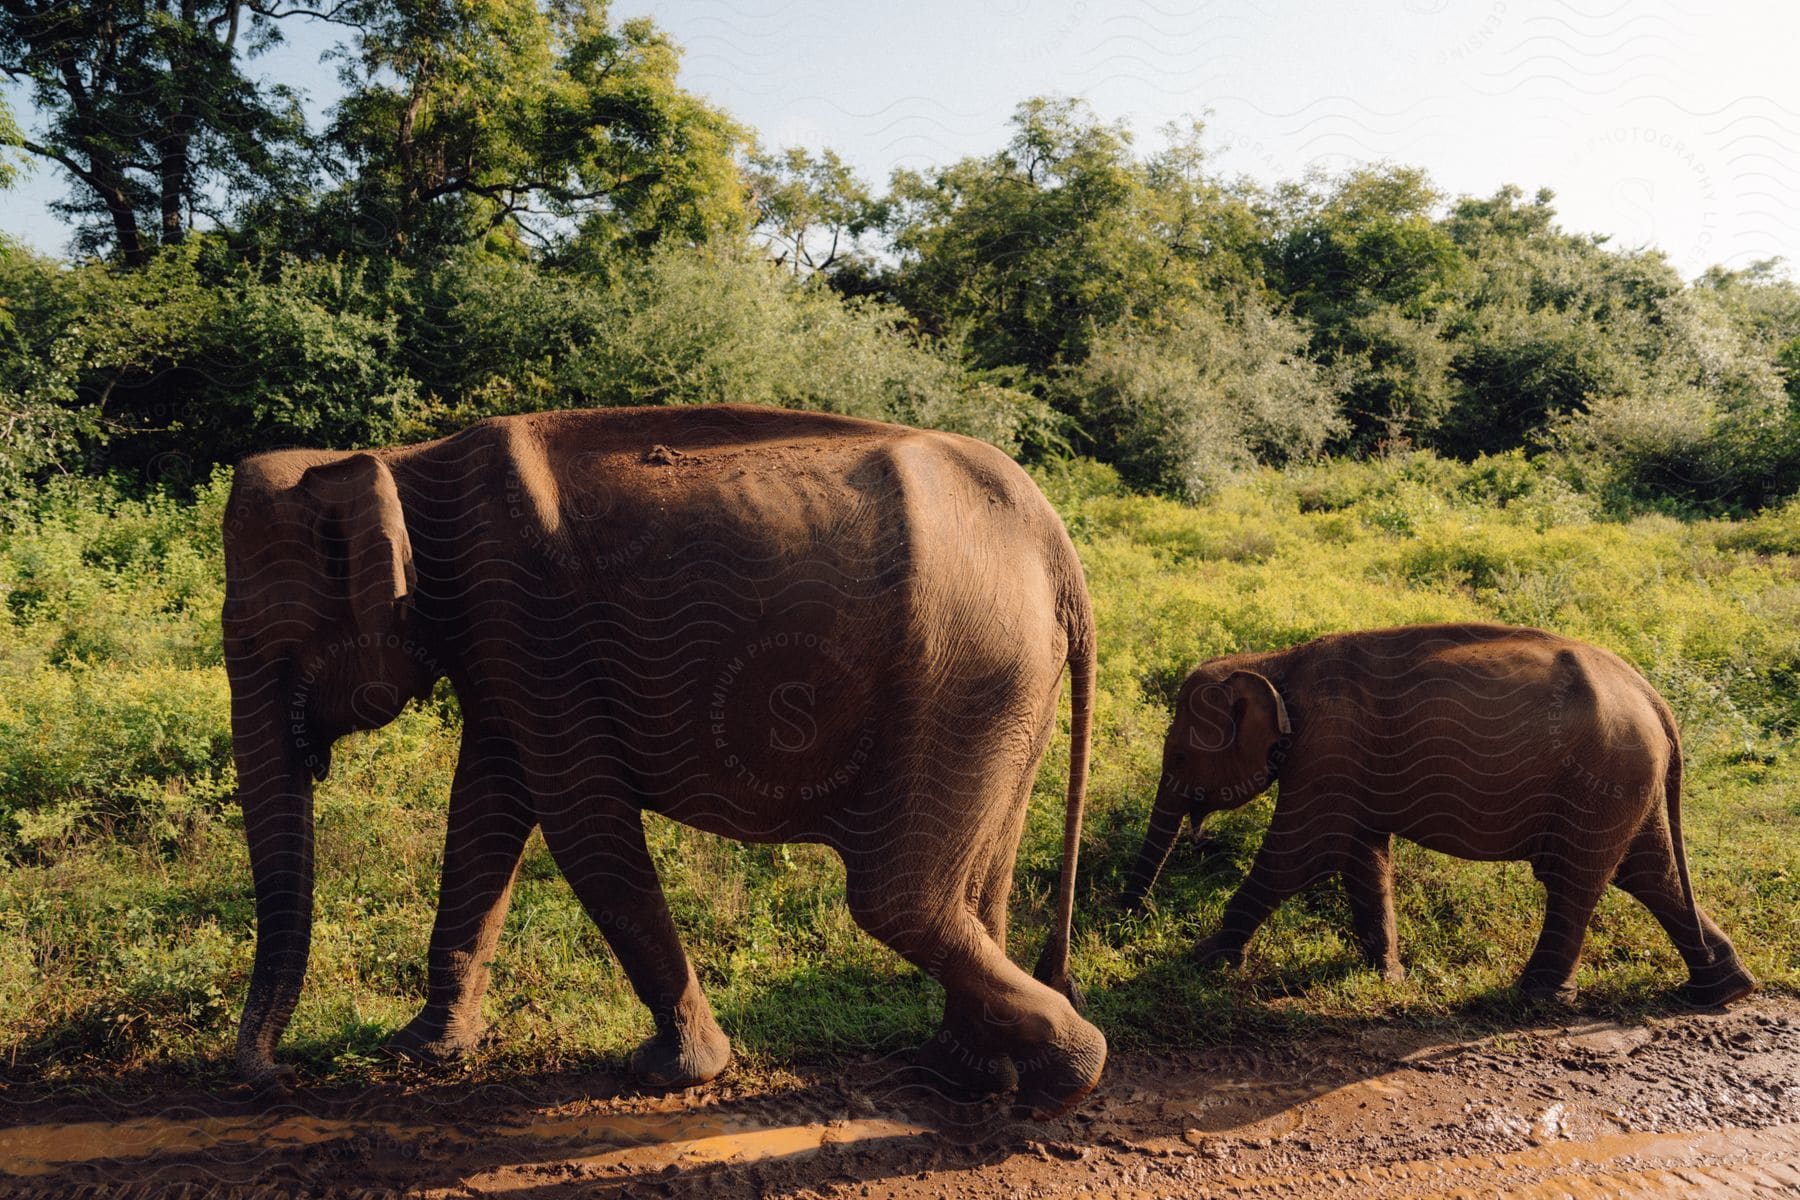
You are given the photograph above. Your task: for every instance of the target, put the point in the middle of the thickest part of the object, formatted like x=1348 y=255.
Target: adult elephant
x=775 y=626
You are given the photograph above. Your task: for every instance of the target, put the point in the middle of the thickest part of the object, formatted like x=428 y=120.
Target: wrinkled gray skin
x=779 y=627
x=1483 y=741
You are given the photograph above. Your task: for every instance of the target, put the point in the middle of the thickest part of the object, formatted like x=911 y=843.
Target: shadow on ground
x=878 y=1123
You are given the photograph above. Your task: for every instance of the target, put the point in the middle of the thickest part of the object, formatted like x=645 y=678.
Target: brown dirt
x=1689 y=1105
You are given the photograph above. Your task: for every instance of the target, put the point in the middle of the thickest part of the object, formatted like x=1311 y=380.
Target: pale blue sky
x=1658 y=122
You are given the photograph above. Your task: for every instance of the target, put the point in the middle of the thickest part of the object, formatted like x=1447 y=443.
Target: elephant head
x=1219 y=754
x=319 y=607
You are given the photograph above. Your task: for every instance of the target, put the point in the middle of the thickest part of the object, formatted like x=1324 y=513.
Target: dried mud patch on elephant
x=1676 y=1105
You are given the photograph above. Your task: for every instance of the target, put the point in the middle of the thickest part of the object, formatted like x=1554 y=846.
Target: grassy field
x=125 y=910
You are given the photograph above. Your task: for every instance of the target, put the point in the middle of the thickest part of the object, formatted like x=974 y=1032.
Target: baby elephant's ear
x=1258 y=712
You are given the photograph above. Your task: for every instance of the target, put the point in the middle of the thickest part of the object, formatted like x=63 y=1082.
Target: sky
x=1659 y=123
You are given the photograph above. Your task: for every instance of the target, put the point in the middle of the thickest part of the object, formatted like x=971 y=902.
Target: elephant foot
x=1055 y=1079
x=1546 y=991
x=681 y=1058
x=1216 y=952
x=267 y=1080
x=432 y=1040
x=1718 y=984
x=949 y=1060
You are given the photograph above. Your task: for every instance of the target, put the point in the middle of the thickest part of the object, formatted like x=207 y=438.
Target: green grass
x=125 y=910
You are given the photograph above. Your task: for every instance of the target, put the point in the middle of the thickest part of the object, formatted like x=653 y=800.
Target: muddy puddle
x=636 y=1141
x=1692 y=1105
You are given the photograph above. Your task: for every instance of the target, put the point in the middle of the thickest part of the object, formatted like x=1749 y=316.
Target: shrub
x=689 y=326
x=1519 y=369
x=702 y=326
x=100 y=740
x=42 y=425
x=112 y=703
x=309 y=356
x=1180 y=408
x=1707 y=423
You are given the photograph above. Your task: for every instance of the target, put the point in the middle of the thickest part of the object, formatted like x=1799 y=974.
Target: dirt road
x=1682 y=1105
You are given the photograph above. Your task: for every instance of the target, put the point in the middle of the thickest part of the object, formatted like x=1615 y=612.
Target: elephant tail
x=1672 y=797
x=1053 y=964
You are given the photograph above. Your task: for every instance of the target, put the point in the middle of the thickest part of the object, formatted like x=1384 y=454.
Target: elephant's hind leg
x=1649 y=873
x=962 y=1054
x=1368 y=871
x=488 y=824
x=902 y=901
x=599 y=844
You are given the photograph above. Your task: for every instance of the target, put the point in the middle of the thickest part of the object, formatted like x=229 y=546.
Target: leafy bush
x=700 y=327
x=309 y=355
x=688 y=327
x=197 y=359
x=1180 y=408
x=101 y=741
x=112 y=701
x=1709 y=422
x=41 y=424
x=1520 y=368
x=1772 y=531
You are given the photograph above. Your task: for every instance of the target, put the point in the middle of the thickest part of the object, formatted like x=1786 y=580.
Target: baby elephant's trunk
x=1165 y=826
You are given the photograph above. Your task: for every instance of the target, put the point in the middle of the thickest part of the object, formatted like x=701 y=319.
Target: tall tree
x=543 y=123
x=1022 y=254
x=10 y=136
x=810 y=212
x=146 y=107
x=1026 y=254
x=1362 y=259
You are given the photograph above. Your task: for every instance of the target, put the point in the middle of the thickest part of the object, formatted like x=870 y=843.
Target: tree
x=10 y=136
x=1363 y=260
x=1025 y=256
x=1024 y=253
x=1211 y=228
x=145 y=106
x=545 y=125
x=810 y=212
x=1763 y=302
x=41 y=426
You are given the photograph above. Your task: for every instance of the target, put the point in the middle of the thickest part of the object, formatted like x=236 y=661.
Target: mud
x=1681 y=1105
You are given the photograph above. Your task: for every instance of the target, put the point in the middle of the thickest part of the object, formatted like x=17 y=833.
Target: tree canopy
x=516 y=204
x=146 y=106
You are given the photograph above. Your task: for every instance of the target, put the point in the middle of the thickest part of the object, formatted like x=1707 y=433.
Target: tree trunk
x=125 y=228
x=173 y=181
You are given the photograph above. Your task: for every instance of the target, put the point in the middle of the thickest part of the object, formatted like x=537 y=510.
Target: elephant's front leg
x=599 y=844
x=488 y=824
x=1294 y=854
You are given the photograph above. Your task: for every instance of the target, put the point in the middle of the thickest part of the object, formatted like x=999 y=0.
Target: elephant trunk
x=1165 y=826
x=275 y=790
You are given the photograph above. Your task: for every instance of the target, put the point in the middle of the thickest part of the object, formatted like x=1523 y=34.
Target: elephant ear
x=360 y=530
x=1258 y=715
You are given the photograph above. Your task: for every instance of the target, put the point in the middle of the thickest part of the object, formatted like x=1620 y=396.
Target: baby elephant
x=1482 y=741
